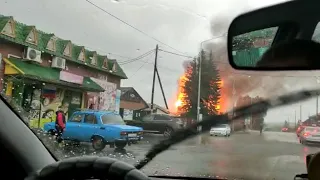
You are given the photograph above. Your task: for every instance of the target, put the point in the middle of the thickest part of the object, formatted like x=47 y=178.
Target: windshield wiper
x=253 y=109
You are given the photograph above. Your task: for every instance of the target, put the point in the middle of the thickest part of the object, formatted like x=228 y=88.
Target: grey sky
x=182 y=24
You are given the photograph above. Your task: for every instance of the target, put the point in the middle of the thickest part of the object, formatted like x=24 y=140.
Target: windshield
x=141 y=61
x=221 y=126
x=112 y=119
x=311 y=129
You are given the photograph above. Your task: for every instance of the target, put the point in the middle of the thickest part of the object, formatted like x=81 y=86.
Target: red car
x=284 y=129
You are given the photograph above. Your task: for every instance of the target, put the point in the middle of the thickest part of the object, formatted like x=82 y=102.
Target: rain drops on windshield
x=114 y=78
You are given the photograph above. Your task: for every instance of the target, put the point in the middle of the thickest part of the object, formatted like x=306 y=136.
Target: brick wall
x=131 y=105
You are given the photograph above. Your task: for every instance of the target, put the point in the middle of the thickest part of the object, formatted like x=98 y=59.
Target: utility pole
x=233 y=100
x=199 y=88
x=154 y=78
x=317 y=105
x=300 y=113
x=163 y=95
x=295 y=119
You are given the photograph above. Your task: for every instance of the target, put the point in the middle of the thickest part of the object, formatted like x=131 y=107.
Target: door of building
x=74 y=99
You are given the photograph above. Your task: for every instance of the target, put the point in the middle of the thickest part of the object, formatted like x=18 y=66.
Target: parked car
x=284 y=129
x=158 y=123
x=100 y=128
x=223 y=129
x=310 y=135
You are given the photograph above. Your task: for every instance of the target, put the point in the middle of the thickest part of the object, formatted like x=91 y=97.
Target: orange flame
x=181 y=97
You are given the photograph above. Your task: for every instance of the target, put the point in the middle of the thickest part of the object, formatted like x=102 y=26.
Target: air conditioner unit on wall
x=58 y=62
x=33 y=55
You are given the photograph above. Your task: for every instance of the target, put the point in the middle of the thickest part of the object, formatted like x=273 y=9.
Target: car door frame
x=73 y=128
x=147 y=124
x=160 y=123
x=90 y=129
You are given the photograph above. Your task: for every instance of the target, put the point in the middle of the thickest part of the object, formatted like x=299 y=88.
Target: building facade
x=41 y=71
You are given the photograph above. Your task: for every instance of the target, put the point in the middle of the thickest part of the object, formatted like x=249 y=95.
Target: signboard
x=72 y=78
x=117 y=104
x=127 y=114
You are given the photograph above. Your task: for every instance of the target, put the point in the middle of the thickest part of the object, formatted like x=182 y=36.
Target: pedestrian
x=60 y=124
x=244 y=126
x=91 y=106
x=261 y=127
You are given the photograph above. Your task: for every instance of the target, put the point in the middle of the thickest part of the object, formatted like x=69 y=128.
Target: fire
x=220 y=107
x=178 y=103
x=181 y=95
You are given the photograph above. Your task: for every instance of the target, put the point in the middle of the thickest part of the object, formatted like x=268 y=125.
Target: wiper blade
x=185 y=177
x=253 y=109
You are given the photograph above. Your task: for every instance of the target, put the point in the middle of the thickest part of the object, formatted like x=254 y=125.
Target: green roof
x=22 y=31
x=50 y=75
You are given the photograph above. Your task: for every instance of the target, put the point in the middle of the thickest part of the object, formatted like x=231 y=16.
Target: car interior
x=28 y=158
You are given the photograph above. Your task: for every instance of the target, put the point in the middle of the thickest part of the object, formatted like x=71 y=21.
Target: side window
x=90 y=119
x=161 y=117
x=77 y=118
x=147 y=118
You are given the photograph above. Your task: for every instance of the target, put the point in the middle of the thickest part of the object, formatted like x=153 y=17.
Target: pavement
x=249 y=155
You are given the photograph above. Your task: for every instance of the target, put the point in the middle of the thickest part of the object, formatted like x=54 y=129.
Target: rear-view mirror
x=270 y=38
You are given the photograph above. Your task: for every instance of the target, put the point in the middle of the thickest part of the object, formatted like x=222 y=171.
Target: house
x=42 y=71
x=131 y=103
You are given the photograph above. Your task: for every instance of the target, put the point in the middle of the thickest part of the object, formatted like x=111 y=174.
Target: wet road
x=274 y=155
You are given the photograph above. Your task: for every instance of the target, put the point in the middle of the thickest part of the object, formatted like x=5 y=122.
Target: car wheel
x=98 y=143
x=168 y=132
x=120 y=144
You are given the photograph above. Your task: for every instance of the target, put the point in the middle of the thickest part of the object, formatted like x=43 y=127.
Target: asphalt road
x=274 y=155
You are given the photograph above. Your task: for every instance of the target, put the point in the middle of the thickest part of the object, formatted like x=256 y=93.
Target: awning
x=45 y=74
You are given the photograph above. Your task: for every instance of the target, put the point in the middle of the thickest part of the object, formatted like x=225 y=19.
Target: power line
x=137 y=58
x=175 y=53
x=145 y=62
x=135 y=28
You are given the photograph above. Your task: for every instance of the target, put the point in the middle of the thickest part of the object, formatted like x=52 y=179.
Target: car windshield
x=221 y=126
x=311 y=129
x=112 y=119
x=146 y=61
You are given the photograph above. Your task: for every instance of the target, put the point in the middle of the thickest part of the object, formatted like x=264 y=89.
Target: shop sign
x=69 y=77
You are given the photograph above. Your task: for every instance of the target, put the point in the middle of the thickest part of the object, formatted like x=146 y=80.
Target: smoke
x=262 y=84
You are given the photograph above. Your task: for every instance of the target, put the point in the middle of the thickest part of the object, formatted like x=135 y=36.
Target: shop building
x=41 y=71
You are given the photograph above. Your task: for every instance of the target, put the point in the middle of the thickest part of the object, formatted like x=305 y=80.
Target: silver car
x=223 y=129
x=310 y=135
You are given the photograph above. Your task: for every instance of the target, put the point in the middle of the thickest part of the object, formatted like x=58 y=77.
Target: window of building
x=105 y=64
x=8 y=29
x=68 y=49
x=94 y=59
x=82 y=56
x=52 y=44
x=32 y=36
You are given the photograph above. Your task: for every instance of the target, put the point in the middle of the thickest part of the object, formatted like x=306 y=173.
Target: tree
x=210 y=87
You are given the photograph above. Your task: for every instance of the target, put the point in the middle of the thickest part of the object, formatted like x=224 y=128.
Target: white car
x=222 y=130
x=310 y=135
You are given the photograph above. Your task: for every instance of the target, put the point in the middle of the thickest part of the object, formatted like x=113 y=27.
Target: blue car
x=101 y=128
